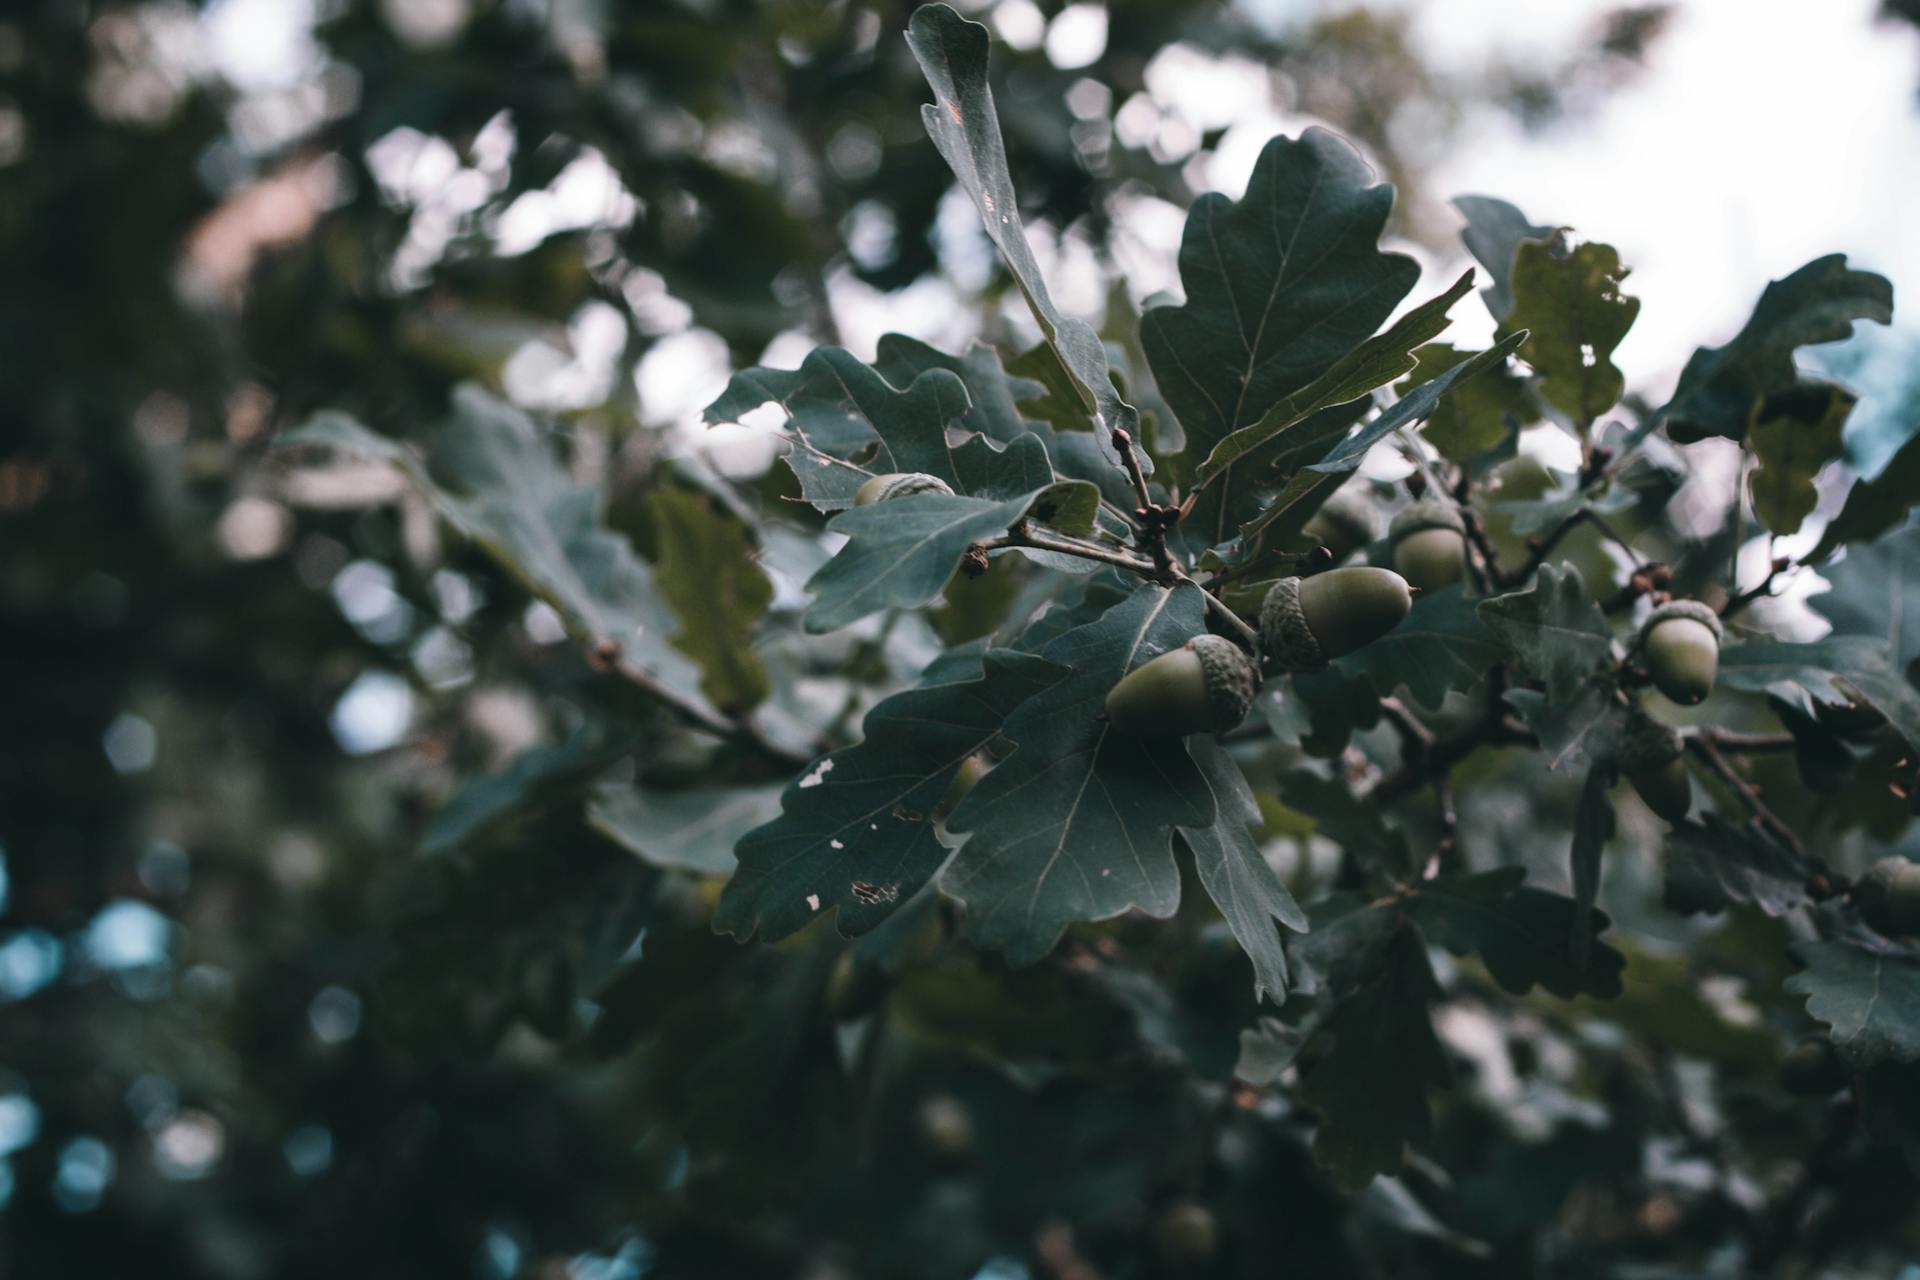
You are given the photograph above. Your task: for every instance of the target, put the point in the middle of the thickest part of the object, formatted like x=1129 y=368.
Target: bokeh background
x=231 y=692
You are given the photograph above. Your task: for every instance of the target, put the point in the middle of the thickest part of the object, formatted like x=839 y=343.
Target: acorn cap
x=1204 y=686
x=1231 y=682
x=1647 y=744
x=1284 y=634
x=1691 y=610
x=1426 y=514
x=902 y=484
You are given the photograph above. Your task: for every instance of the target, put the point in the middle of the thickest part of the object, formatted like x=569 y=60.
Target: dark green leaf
x=1374 y=363
x=1592 y=828
x=1582 y=731
x=1875 y=506
x=1554 y=628
x=1442 y=646
x=952 y=54
x=693 y=830
x=1280 y=286
x=1077 y=823
x=1521 y=933
x=1867 y=993
x=1477 y=414
x=1818 y=303
x=1712 y=864
x=900 y=553
x=1356 y=826
x=1414 y=406
x=1371 y=1090
x=1860 y=661
x=535 y=781
x=856 y=829
x=1236 y=874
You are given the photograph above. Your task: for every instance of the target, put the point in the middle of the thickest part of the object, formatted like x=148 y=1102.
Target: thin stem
x=1706 y=745
x=1028 y=537
x=1155 y=519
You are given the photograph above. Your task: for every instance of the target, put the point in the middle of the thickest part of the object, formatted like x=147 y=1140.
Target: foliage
x=756 y=885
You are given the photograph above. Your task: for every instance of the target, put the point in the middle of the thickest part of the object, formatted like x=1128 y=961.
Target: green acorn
x=1650 y=758
x=1305 y=623
x=902 y=484
x=1204 y=686
x=1682 y=642
x=1811 y=1069
x=1186 y=1234
x=1429 y=544
x=1344 y=524
x=1888 y=896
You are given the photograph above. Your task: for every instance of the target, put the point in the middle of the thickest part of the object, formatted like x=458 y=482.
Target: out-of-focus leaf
x=952 y=53
x=1077 y=823
x=1863 y=600
x=494 y=480
x=1414 y=406
x=856 y=830
x=1280 y=286
x=1493 y=234
x=1582 y=731
x=536 y=780
x=1712 y=864
x=1371 y=1089
x=1818 y=303
x=692 y=830
x=1443 y=645
x=1795 y=432
x=1592 y=827
x=1236 y=875
x=1867 y=993
x=1476 y=414
x=1374 y=363
x=1267 y=1049
x=1520 y=932
x=1554 y=628
x=707 y=572
x=901 y=552
x=1571 y=301
x=1359 y=828
x=1860 y=661
x=1874 y=506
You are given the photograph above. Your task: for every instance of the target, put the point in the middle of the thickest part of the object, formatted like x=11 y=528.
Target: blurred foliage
x=365 y=812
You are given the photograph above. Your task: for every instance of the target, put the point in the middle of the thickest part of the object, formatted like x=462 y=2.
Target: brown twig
x=1022 y=535
x=1706 y=744
x=1764 y=588
x=1155 y=519
x=1494 y=729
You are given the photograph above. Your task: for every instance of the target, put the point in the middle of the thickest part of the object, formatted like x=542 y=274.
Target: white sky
x=1763 y=133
